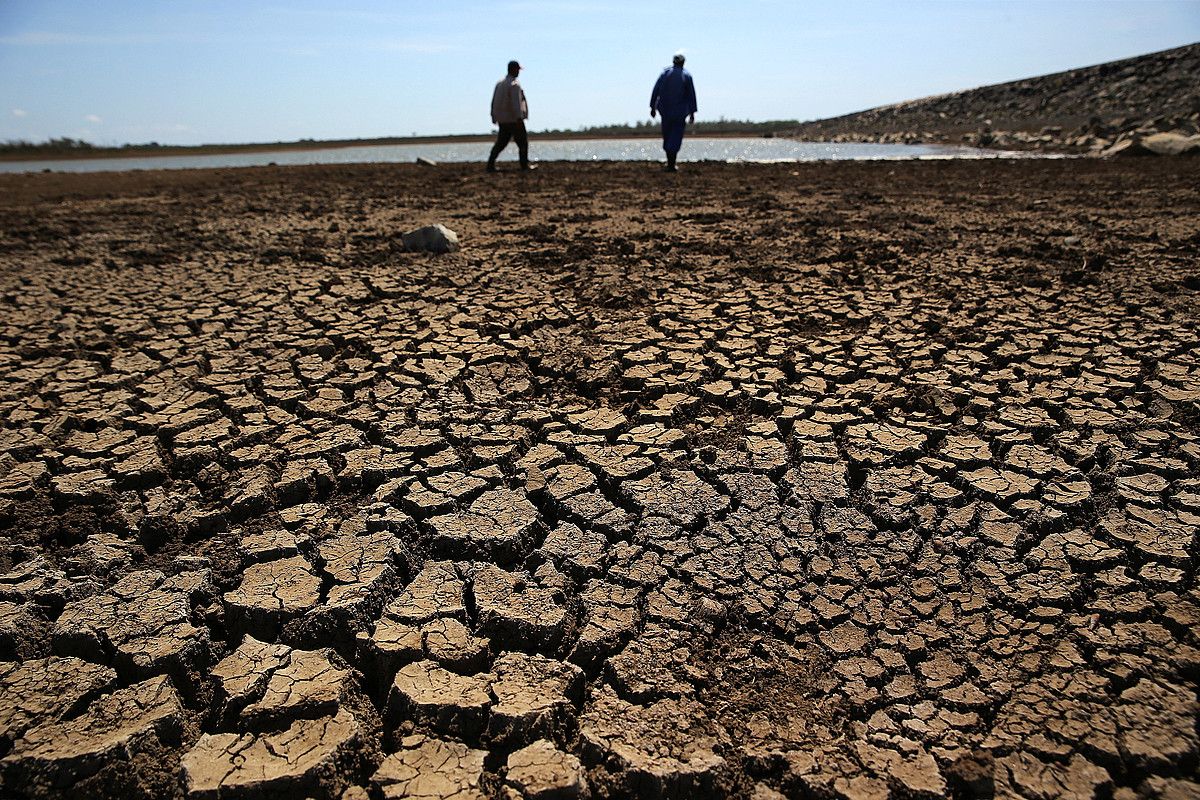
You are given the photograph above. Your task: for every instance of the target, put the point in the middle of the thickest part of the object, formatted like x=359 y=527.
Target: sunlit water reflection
x=694 y=149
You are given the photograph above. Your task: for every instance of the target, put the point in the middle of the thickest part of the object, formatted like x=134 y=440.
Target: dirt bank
x=822 y=480
x=1084 y=110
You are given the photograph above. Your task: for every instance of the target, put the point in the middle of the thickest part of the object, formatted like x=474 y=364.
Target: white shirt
x=508 y=101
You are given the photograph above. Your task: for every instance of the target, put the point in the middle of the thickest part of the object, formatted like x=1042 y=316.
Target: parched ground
x=856 y=480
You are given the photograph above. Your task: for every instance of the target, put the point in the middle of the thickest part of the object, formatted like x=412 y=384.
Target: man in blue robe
x=674 y=97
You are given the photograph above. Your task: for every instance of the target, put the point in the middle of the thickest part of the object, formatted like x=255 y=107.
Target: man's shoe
x=670 y=168
x=529 y=167
x=491 y=167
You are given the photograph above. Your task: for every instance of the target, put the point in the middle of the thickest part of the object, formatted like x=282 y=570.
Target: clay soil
x=841 y=480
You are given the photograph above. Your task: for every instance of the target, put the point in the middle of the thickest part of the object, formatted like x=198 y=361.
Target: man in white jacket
x=509 y=111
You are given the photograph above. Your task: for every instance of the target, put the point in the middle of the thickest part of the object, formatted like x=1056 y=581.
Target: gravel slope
x=1159 y=91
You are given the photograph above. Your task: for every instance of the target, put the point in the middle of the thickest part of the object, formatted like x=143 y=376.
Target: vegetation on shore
x=718 y=127
x=63 y=144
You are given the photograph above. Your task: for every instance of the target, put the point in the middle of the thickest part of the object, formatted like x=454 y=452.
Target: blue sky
x=196 y=71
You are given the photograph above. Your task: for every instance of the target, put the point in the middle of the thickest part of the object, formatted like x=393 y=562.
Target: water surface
x=754 y=149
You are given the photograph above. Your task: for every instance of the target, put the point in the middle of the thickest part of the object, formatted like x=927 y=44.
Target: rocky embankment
x=1149 y=105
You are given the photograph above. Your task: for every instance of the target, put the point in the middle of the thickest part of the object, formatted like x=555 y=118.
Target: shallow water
x=694 y=149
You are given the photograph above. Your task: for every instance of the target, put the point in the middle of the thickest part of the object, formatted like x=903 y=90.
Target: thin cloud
x=20 y=112
x=93 y=118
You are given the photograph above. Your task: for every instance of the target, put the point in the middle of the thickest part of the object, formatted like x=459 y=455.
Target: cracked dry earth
x=834 y=481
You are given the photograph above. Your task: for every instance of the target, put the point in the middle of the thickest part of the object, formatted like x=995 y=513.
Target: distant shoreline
x=167 y=151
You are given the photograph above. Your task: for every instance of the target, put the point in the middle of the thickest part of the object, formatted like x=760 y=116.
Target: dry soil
x=856 y=480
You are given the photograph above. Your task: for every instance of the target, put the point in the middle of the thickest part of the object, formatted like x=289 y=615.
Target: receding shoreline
x=167 y=151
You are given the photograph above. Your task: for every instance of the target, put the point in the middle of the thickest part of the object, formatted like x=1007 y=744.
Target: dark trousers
x=508 y=132
x=672 y=133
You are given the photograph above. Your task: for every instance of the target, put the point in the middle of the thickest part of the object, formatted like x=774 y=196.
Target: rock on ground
x=433 y=238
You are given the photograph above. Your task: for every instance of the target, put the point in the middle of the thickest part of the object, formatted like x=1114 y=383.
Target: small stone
x=431 y=238
x=1172 y=144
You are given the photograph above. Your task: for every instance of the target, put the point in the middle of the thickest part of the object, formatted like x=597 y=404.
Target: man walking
x=674 y=97
x=509 y=111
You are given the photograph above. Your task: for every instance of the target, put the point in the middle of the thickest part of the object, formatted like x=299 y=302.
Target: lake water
x=749 y=149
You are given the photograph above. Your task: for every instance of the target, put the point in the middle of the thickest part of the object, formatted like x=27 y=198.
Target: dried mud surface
x=833 y=481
